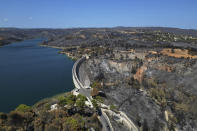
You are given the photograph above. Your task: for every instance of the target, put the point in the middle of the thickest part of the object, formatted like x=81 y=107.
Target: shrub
x=181 y=107
x=80 y=103
x=47 y=106
x=134 y=83
x=3 y=116
x=150 y=83
x=16 y=118
x=23 y=108
x=81 y=97
x=95 y=84
x=99 y=99
x=55 y=125
x=159 y=95
x=73 y=124
x=113 y=107
x=68 y=100
x=62 y=101
x=94 y=103
x=38 y=124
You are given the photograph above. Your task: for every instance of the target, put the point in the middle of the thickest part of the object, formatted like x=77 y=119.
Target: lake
x=29 y=73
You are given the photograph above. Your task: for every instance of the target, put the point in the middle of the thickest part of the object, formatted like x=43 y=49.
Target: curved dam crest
x=29 y=73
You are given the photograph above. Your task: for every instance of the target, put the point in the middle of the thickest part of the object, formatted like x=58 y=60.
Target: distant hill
x=63 y=37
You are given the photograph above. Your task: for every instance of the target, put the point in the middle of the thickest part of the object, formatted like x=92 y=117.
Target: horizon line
x=98 y=27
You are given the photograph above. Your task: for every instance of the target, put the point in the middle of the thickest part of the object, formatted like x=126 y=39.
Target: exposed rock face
x=158 y=101
x=135 y=104
x=140 y=73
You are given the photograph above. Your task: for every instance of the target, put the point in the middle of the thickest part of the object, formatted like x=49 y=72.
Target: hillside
x=147 y=72
x=68 y=114
x=149 y=75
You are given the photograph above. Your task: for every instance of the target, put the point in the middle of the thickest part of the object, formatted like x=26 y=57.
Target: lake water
x=29 y=73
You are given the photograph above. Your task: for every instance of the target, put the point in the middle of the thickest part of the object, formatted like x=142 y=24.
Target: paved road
x=86 y=92
x=104 y=123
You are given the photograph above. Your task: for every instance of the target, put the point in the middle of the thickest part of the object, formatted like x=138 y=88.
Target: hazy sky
x=97 y=13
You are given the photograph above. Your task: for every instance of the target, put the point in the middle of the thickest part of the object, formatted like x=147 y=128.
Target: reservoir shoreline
x=49 y=73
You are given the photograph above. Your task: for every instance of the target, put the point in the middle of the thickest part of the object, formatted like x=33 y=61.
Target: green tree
x=75 y=123
x=71 y=124
x=81 y=97
x=68 y=100
x=80 y=103
x=62 y=101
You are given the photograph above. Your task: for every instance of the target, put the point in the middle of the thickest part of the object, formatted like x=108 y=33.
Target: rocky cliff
x=158 y=92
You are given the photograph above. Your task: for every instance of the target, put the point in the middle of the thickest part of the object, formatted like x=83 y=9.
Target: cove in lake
x=29 y=73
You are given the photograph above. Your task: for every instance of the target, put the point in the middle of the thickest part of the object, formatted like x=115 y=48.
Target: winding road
x=86 y=92
x=103 y=118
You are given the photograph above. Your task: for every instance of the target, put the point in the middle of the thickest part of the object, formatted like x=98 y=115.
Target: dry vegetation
x=71 y=115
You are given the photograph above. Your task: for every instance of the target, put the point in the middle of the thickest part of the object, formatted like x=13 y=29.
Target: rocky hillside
x=148 y=73
x=156 y=90
x=86 y=37
x=100 y=36
x=9 y=35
